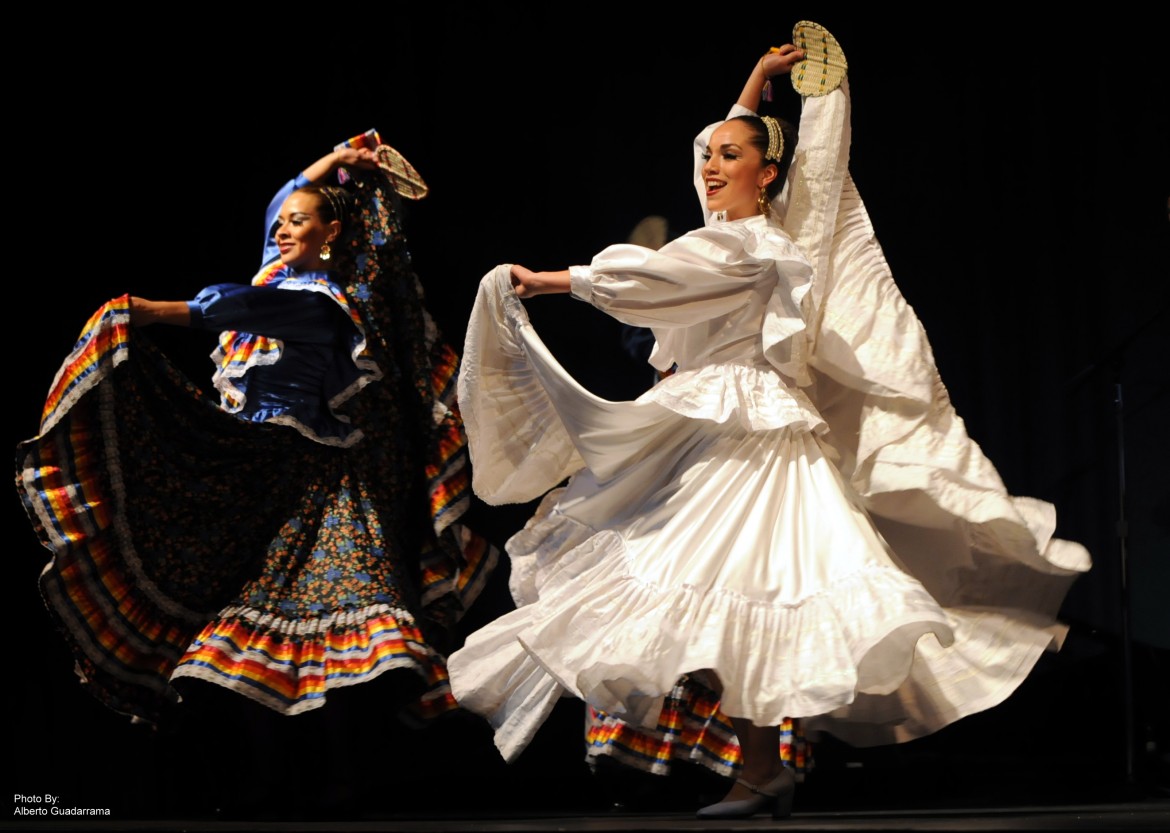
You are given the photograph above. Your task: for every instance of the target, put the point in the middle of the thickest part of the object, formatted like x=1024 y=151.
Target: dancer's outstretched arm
x=529 y=284
x=341 y=158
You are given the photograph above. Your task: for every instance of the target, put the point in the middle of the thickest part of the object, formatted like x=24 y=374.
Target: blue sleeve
x=295 y=315
x=271 y=253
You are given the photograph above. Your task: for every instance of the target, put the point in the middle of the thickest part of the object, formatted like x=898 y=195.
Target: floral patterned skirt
x=189 y=543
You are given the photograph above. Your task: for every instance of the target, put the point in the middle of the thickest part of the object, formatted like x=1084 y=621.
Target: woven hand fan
x=407 y=181
x=824 y=65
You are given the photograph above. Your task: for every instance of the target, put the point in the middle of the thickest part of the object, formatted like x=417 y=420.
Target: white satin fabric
x=797 y=509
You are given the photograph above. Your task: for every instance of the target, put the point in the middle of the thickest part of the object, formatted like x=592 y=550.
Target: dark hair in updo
x=333 y=203
x=759 y=140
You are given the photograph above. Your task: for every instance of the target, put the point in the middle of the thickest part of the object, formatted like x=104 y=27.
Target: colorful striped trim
x=368 y=140
x=448 y=471
x=461 y=566
x=289 y=666
x=691 y=728
x=99 y=349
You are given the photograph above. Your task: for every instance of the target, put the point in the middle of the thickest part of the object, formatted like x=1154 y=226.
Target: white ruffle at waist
x=757 y=397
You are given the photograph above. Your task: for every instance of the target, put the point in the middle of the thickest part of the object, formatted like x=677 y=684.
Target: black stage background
x=1016 y=173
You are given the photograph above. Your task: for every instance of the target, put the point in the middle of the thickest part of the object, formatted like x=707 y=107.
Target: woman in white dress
x=796 y=515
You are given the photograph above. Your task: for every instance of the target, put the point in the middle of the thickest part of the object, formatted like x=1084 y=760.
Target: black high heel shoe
x=776 y=794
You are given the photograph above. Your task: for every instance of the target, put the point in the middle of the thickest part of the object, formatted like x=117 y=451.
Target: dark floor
x=898 y=788
x=1035 y=763
x=1146 y=815
x=1052 y=757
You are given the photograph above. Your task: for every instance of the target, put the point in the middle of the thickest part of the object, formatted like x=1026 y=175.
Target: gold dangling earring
x=326 y=252
x=764 y=203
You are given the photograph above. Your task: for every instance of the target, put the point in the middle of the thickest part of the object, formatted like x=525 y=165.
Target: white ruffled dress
x=797 y=509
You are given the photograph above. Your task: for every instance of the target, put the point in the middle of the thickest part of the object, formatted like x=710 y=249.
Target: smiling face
x=300 y=232
x=734 y=171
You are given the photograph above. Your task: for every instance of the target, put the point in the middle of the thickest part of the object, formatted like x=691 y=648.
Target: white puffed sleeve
x=703 y=275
